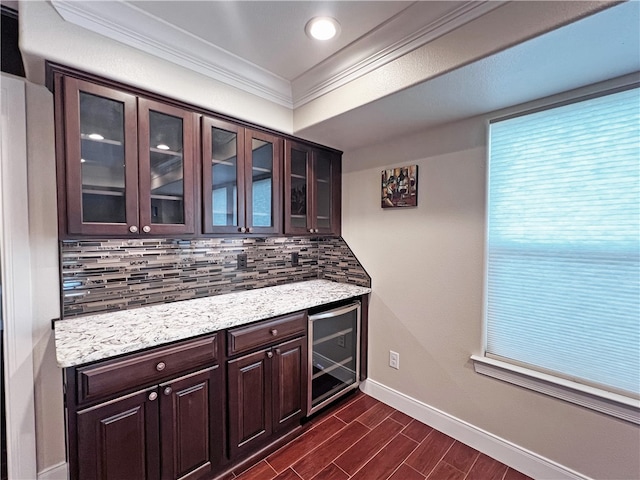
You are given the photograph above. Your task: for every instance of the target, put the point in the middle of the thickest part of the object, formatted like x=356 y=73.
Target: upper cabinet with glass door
x=241 y=179
x=127 y=162
x=312 y=190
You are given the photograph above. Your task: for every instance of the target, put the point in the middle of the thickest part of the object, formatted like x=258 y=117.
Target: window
x=562 y=311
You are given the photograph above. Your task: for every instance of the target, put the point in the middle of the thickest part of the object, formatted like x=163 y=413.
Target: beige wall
x=426 y=265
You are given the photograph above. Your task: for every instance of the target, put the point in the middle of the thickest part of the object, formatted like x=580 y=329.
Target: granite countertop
x=89 y=338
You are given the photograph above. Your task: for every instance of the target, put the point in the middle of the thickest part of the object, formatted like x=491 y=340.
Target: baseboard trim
x=56 y=472
x=521 y=459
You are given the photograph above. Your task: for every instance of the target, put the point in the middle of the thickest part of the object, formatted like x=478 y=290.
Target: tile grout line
x=442 y=457
x=471 y=467
x=408 y=455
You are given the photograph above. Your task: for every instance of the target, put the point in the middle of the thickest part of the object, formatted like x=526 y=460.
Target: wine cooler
x=334 y=354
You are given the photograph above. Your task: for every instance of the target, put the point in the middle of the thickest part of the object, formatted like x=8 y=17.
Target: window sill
x=618 y=406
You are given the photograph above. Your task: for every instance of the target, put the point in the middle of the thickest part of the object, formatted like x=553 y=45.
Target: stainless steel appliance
x=334 y=354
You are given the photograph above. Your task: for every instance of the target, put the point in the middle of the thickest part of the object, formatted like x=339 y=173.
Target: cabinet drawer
x=265 y=333
x=112 y=376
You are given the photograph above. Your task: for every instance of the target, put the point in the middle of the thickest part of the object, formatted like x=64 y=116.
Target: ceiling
x=261 y=48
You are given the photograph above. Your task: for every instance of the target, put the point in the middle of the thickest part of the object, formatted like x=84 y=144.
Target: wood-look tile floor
x=364 y=439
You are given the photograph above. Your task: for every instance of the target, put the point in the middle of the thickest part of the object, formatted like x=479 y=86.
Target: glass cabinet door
x=100 y=160
x=166 y=168
x=298 y=188
x=323 y=190
x=262 y=175
x=223 y=162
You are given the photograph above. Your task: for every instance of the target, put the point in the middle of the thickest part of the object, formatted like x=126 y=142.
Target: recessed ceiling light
x=96 y=136
x=162 y=146
x=322 y=28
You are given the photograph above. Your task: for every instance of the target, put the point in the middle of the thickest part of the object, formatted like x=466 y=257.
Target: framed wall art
x=400 y=187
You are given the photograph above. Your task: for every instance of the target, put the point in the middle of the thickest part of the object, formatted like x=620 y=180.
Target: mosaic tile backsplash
x=110 y=275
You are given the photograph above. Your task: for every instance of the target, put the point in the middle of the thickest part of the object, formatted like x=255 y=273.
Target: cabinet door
x=100 y=159
x=262 y=180
x=289 y=383
x=191 y=425
x=223 y=176
x=166 y=166
x=326 y=192
x=298 y=213
x=119 y=439
x=249 y=396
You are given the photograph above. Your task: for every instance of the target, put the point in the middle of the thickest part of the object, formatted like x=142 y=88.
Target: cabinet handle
x=146 y=229
x=274 y=332
x=153 y=396
x=133 y=229
x=269 y=354
x=160 y=366
x=167 y=391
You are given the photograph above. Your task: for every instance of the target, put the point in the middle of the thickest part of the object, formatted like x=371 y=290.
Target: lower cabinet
x=151 y=415
x=266 y=388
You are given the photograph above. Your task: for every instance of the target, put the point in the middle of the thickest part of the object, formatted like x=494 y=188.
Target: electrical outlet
x=242 y=260
x=341 y=341
x=394 y=359
x=294 y=259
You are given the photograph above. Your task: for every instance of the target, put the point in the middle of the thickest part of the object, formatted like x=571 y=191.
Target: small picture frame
x=400 y=187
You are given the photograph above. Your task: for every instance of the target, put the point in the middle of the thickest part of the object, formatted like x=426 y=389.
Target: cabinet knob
x=133 y=229
x=248 y=229
x=242 y=229
x=160 y=366
x=168 y=390
x=269 y=354
x=146 y=229
x=274 y=332
x=153 y=396
x=311 y=230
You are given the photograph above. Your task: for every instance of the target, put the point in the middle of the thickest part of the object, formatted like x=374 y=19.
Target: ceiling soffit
x=412 y=28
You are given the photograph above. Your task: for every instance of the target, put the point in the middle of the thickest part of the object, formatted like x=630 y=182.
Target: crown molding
x=131 y=26
x=388 y=44
x=127 y=24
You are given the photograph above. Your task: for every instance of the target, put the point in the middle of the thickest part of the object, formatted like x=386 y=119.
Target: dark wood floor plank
x=387 y=460
x=461 y=456
x=298 y=448
x=288 y=474
x=357 y=408
x=260 y=471
x=405 y=472
x=417 y=431
x=430 y=452
x=362 y=451
x=444 y=471
x=314 y=462
x=486 y=468
x=375 y=415
x=401 y=418
x=331 y=472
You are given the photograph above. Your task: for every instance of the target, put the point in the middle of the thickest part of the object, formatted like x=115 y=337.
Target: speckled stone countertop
x=95 y=337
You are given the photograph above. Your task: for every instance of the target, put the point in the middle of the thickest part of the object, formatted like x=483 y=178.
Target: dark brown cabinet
x=267 y=389
x=171 y=429
x=241 y=174
x=125 y=163
x=312 y=190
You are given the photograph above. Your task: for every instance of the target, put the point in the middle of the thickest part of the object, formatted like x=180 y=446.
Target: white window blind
x=563 y=241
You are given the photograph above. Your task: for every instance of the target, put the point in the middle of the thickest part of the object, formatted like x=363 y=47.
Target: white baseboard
x=518 y=458
x=57 y=472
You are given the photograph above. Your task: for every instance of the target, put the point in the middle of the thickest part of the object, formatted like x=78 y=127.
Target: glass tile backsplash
x=109 y=275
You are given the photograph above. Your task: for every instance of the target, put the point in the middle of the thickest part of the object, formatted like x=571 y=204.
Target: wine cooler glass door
x=334 y=349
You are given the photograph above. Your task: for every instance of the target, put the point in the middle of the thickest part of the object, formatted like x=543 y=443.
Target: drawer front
x=112 y=376
x=266 y=333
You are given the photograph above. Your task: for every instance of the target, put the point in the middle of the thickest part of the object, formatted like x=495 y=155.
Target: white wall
x=44 y=35
x=426 y=265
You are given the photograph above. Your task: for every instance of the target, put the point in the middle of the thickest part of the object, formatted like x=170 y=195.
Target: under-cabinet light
x=162 y=146
x=96 y=136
